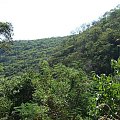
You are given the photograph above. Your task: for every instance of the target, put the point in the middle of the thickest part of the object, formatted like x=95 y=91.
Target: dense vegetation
x=75 y=77
x=26 y=55
x=98 y=42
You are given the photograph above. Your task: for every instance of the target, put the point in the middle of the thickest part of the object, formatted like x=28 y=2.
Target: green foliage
x=6 y=30
x=105 y=100
x=55 y=87
x=5 y=105
x=26 y=55
x=30 y=111
x=54 y=93
x=1 y=68
x=6 y=33
x=60 y=92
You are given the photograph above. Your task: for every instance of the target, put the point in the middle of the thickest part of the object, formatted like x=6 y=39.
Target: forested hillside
x=25 y=55
x=100 y=41
x=75 y=77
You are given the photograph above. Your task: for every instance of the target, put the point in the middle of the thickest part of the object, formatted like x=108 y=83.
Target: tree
x=6 y=31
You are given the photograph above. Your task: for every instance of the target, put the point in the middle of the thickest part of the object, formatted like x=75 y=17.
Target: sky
x=35 y=19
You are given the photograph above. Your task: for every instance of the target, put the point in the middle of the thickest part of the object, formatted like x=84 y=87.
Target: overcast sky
x=33 y=19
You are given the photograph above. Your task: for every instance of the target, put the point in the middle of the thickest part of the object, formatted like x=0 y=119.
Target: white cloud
x=34 y=19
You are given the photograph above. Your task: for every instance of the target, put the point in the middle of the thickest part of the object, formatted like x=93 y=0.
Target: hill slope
x=94 y=48
x=25 y=55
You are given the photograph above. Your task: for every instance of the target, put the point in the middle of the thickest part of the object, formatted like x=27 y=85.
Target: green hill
x=94 y=48
x=25 y=55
